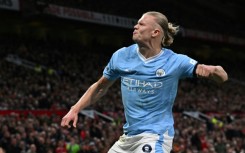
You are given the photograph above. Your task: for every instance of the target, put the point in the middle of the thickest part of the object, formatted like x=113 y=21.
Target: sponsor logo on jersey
x=143 y=87
x=139 y=83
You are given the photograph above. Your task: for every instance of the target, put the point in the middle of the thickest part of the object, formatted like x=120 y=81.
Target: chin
x=134 y=39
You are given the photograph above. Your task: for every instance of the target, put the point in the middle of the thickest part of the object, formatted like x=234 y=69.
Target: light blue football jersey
x=149 y=87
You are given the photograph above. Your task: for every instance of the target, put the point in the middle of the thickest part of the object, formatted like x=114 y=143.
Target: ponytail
x=171 y=31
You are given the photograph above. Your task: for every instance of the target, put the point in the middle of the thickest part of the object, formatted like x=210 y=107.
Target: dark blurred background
x=51 y=51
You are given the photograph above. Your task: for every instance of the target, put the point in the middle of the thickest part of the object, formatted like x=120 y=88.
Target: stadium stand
x=43 y=74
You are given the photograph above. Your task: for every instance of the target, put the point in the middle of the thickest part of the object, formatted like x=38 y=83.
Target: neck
x=149 y=50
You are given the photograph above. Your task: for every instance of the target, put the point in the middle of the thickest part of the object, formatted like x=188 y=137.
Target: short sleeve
x=187 y=66
x=111 y=72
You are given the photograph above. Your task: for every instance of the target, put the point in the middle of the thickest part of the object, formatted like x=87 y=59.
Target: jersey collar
x=147 y=60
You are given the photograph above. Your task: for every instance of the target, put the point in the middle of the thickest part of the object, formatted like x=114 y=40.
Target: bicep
x=99 y=88
x=104 y=83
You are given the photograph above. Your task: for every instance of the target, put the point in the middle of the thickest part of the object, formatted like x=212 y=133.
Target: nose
x=136 y=26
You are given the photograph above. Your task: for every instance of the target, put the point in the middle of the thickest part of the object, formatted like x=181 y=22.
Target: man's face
x=144 y=29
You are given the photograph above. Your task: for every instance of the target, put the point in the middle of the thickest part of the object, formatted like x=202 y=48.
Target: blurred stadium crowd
x=52 y=74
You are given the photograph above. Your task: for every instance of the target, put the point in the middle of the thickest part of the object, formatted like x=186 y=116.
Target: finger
x=203 y=72
x=62 y=122
x=199 y=70
x=65 y=123
x=75 y=122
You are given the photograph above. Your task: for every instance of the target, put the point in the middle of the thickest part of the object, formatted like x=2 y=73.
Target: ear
x=155 y=32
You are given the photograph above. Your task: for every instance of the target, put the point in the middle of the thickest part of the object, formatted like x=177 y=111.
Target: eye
x=140 y=23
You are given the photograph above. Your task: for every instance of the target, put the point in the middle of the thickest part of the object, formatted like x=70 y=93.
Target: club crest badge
x=160 y=73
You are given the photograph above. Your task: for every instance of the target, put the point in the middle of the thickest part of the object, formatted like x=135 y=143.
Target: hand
x=204 y=71
x=72 y=115
x=215 y=73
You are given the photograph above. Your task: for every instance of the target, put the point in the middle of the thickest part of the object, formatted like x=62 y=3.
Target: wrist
x=74 y=109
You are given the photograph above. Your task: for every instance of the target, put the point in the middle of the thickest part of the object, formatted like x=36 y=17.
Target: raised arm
x=216 y=73
x=94 y=92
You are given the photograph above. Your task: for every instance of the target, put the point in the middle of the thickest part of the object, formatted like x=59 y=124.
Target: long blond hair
x=169 y=29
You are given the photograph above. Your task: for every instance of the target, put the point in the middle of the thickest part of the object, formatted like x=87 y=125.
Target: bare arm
x=93 y=94
x=215 y=73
